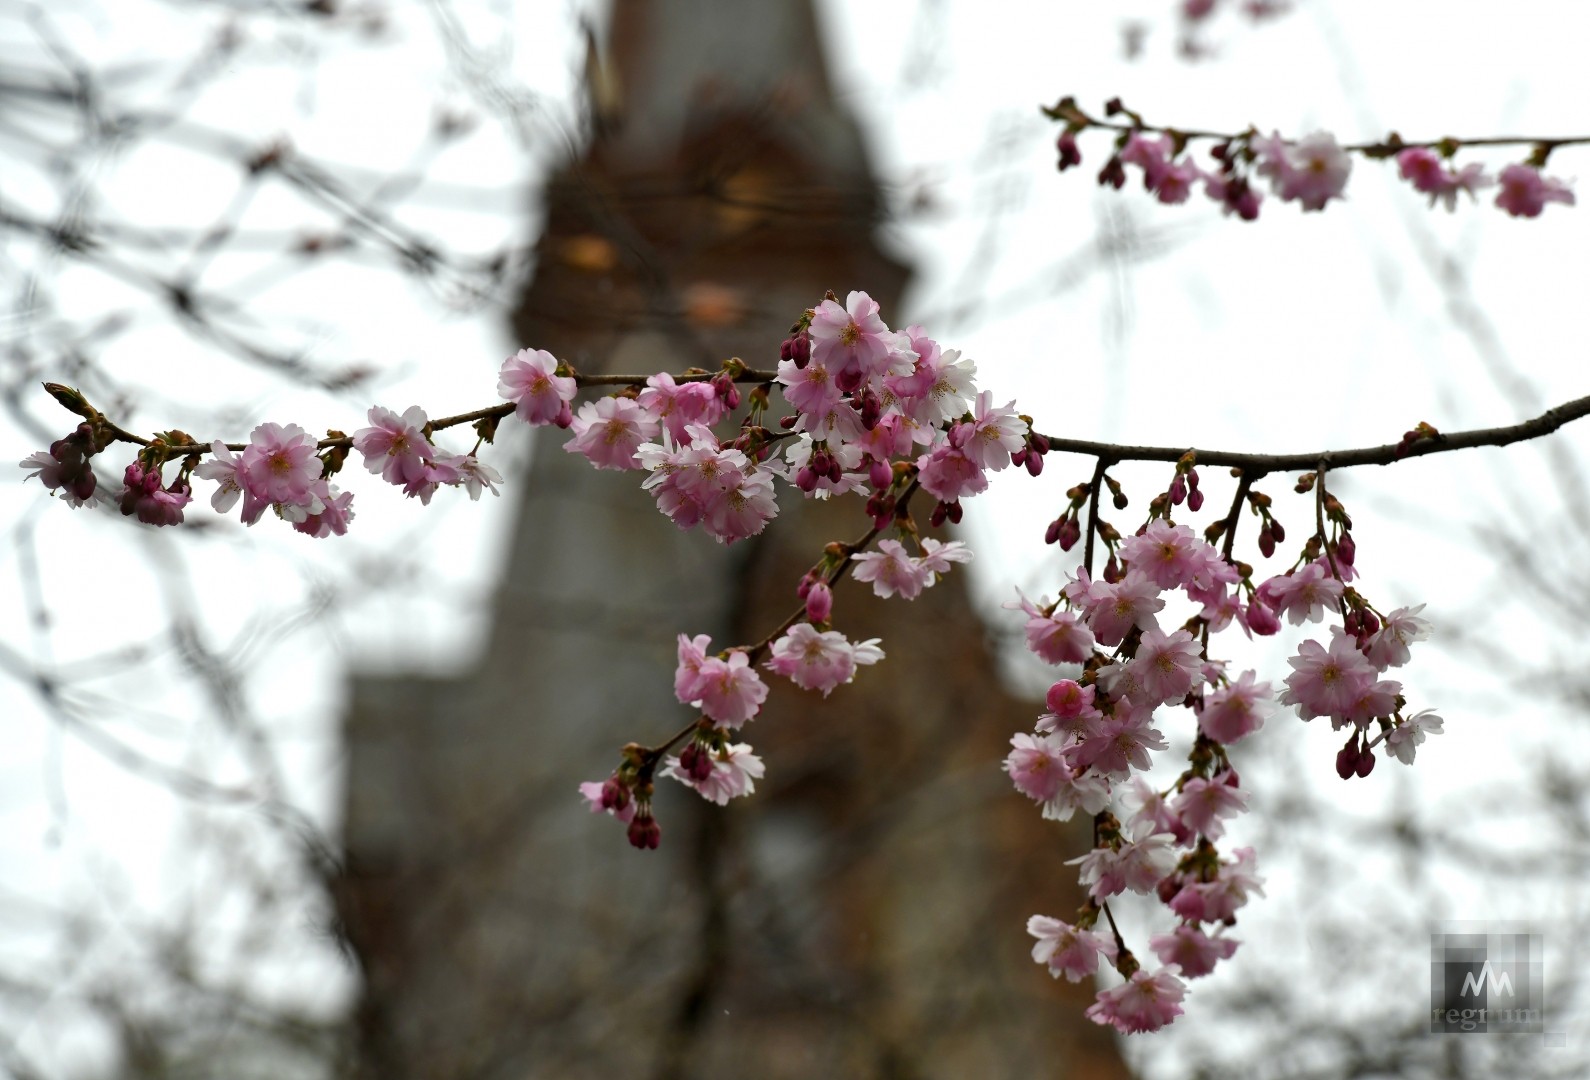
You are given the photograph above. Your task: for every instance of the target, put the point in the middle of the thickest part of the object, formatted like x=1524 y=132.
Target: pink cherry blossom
x=395 y=446
x=279 y=465
x=1036 y=766
x=993 y=435
x=1426 y=171
x=949 y=474
x=1525 y=192
x=823 y=660
x=1168 y=555
x=735 y=770
x=64 y=469
x=1148 y=811
x=1115 y=609
x=1121 y=744
x=809 y=390
x=1327 y=682
x=853 y=343
x=1166 y=665
x=609 y=430
x=1218 y=900
x=1312 y=170
x=336 y=510
x=687 y=676
x=891 y=570
x=1137 y=865
x=529 y=379
x=728 y=691
x=1066 y=950
x=223 y=468
x=1388 y=646
x=678 y=407
x=1193 y=952
x=1304 y=594
x=1088 y=793
x=1404 y=740
x=1203 y=805
x=1057 y=638
x=937 y=557
x=1236 y=711
x=1143 y=1003
x=154 y=505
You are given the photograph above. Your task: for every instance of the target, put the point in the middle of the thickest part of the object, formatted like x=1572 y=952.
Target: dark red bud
x=1195 y=500
x=1070 y=533
x=1346 y=550
x=1034 y=464
x=1347 y=761
x=1277 y=531
x=1366 y=762
x=644 y=833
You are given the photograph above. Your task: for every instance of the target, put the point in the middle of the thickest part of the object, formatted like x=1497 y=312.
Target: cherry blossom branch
x=1311 y=170
x=1078 y=120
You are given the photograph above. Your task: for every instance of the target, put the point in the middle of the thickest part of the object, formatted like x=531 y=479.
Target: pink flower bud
x=881 y=475
x=1034 y=464
x=1195 y=500
x=1070 y=533
x=1261 y=620
x=819 y=602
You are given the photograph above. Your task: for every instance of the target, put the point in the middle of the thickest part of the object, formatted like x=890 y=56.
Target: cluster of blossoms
x=1089 y=751
x=1310 y=171
x=886 y=414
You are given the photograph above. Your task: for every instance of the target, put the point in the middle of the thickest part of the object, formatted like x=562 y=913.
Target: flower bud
x=1346 y=550
x=881 y=475
x=1070 y=533
x=1347 y=761
x=615 y=796
x=1051 y=535
x=1195 y=500
x=849 y=380
x=1034 y=464
x=644 y=833
x=1261 y=620
x=1070 y=155
x=819 y=602
x=1366 y=762
x=1266 y=542
x=1178 y=490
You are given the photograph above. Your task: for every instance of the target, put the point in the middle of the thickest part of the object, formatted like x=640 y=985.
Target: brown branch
x=1385 y=454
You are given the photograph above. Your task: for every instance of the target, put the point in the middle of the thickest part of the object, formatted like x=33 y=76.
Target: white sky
x=1298 y=332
